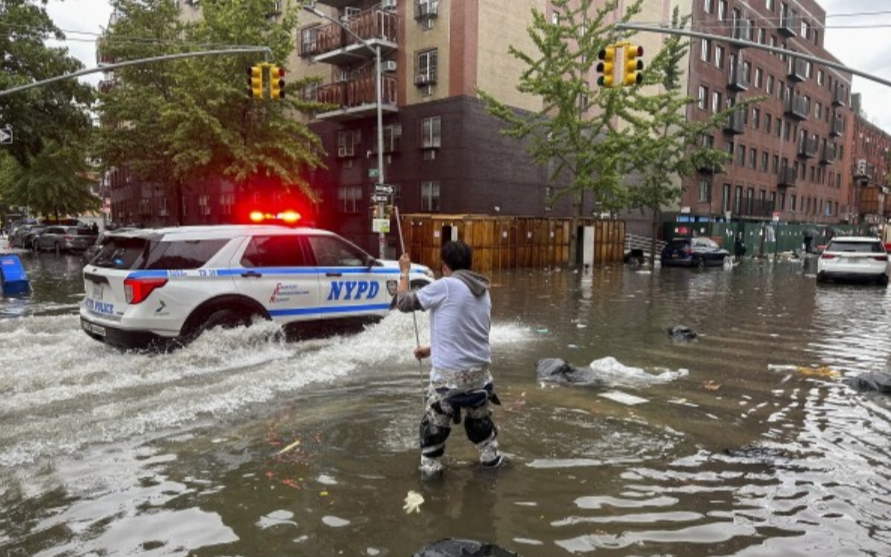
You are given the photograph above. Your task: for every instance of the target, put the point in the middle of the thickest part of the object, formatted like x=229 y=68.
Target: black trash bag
x=679 y=333
x=559 y=371
x=451 y=547
x=879 y=381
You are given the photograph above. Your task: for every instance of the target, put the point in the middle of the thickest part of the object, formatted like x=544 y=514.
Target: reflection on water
x=745 y=455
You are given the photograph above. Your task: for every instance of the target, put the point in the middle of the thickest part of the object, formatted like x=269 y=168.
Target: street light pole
x=378 y=95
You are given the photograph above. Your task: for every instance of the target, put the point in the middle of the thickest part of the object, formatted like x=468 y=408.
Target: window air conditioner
x=389 y=66
x=422 y=79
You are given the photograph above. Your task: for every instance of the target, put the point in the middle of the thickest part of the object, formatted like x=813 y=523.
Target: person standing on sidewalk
x=460 y=319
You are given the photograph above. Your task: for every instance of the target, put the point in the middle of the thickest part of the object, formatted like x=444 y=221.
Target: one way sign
x=6 y=136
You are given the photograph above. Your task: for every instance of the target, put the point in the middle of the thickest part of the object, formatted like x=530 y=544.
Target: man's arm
x=406 y=300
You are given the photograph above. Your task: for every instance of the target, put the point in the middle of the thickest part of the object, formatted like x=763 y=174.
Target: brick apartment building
x=870 y=145
x=790 y=153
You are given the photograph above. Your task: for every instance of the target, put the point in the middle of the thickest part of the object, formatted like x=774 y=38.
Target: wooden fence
x=501 y=243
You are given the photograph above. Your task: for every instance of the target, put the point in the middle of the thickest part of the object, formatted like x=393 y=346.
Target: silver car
x=64 y=238
x=854 y=258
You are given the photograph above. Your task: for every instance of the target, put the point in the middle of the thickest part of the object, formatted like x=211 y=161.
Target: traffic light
x=276 y=82
x=633 y=65
x=606 y=68
x=255 y=80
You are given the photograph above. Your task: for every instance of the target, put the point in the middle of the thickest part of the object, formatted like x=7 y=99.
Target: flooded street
x=742 y=442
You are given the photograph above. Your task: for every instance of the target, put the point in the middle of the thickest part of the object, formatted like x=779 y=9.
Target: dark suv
x=693 y=252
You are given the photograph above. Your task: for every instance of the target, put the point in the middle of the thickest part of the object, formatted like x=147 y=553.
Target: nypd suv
x=161 y=288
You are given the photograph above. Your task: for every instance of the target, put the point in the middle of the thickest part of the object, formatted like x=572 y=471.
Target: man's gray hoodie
x=477 y=283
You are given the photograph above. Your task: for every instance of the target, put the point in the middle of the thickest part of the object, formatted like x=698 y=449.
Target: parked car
x=161 y=288
x=17 y=237
x=99 y=241
x=693 y=252
x=63 y=238
x=29 y=236
x=854 y=258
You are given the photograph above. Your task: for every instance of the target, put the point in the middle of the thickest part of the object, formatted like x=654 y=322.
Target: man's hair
x=456 y=255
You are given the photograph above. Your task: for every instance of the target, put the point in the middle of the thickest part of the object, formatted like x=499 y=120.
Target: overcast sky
x=864 y=45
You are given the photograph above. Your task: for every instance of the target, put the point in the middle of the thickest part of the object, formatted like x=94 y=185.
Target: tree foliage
x=56 y=112
x=177 y=122
x=56 y=183
x=628 y=146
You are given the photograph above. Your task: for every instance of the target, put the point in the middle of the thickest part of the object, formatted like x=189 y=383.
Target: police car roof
x=218 y=231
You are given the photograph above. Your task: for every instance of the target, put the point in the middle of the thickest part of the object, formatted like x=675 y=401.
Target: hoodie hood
x=477 y=283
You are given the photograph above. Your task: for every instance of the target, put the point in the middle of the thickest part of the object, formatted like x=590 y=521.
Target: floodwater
x=742 y=442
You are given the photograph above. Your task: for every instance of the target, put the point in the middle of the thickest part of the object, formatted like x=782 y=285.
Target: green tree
x=55 y=183
x=626 y=146
x=665 y=144
x=179 y=122
x=50 y=113
x=574 y=131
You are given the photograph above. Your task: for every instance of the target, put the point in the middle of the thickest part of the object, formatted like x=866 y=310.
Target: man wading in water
x=460 y=317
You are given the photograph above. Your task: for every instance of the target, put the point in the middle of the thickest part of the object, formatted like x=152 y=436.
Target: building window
x=753 y=157
x=756 y=118
x=767 y=123
x=705 y=191
x=820 y=77
x=719 y=57
x=818 y=111
x=741 y=155
x=722 y=9
x=431 y=132
x=776 y=164
x=769 y=85
x=708 y=6
x=769 y=4
x=227 y=200
x=703 y=97
x=716 y=101
x=765 y=158
x=348 y=198
x=725 y=198
x=347 y=141
x=430 y=196
x=203 y=204
x=758 y=78
x=705 y=50
x=762 y=35
x=737 y=201
x=426 y=64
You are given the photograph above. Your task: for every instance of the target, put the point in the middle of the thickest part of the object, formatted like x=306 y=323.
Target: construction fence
x=501 y=243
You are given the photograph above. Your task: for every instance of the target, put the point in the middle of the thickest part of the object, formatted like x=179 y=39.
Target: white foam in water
x=87 y=393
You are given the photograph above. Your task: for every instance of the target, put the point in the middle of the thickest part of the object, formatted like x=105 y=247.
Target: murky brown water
x=741 y=453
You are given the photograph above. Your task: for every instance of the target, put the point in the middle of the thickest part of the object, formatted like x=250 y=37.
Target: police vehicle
x=161 y=288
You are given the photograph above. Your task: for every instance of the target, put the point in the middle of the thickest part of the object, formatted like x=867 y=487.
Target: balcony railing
x=796 y=107
x=787 y=176
x=742 y=30
x=788 y=24
x=754 y=207
x=356 y=98
x=329 y=43
x=738 y=79
x=828 y=153
x=797 y=70
x=837 y=127
x=839 y=95
x=807 y=147
x=736 y=122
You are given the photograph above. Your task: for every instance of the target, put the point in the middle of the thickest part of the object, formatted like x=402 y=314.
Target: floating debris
x=413 y=502
x=623 y=398
x=289 y=447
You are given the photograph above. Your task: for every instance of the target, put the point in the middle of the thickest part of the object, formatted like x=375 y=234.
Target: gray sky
x=865 y=49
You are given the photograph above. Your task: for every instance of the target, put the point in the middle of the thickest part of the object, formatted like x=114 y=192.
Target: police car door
x=278 y=273
x=348 y=285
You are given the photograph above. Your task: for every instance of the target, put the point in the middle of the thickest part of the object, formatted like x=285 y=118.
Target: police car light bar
x=288 y=217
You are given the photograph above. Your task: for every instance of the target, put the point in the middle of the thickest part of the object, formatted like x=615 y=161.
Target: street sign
x=380 y=225
x=386 y=189
x=6 y=136
x=379 y=198
x=373 y=173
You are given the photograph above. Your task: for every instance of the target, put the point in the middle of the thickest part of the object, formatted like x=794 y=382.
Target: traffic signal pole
x=748 y=44
x=107 y=67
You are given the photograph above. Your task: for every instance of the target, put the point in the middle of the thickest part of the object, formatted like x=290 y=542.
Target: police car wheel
x=225 y=318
